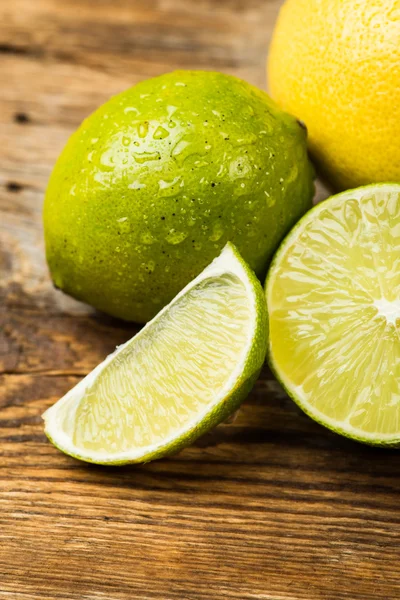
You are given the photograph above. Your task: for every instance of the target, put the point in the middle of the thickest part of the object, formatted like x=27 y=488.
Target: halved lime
x=186 y=371
x=333 y=296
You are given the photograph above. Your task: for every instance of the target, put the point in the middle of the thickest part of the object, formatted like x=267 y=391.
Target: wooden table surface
x=272 y=507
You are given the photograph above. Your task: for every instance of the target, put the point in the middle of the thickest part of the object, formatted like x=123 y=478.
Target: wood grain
x=271 y=507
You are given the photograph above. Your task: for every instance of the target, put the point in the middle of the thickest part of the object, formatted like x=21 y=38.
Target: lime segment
x=187 y=370
x=333 y=295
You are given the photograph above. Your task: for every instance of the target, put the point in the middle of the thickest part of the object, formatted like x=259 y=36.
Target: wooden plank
x=270 y=507
x=143 y=37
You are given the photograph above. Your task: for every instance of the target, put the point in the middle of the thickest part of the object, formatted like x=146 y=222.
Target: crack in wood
x=16 y=50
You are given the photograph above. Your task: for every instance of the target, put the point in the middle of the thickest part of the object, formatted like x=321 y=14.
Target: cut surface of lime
x=184 y=372
x=333 y=297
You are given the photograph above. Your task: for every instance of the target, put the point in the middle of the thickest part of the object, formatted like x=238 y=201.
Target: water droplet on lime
x=143 y=129
x=143 y=157
x=147 y=238
x=175 y=237
x=160 y=133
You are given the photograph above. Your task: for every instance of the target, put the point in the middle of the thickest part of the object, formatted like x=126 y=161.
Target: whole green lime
x=157 y=180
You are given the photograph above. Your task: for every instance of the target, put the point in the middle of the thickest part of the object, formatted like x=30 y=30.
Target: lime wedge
x=333 y=296
x=186 y=371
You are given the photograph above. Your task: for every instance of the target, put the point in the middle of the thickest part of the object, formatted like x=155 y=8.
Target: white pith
x=387 y=309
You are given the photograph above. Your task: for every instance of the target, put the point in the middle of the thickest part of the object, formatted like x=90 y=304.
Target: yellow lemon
x=335 y=64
